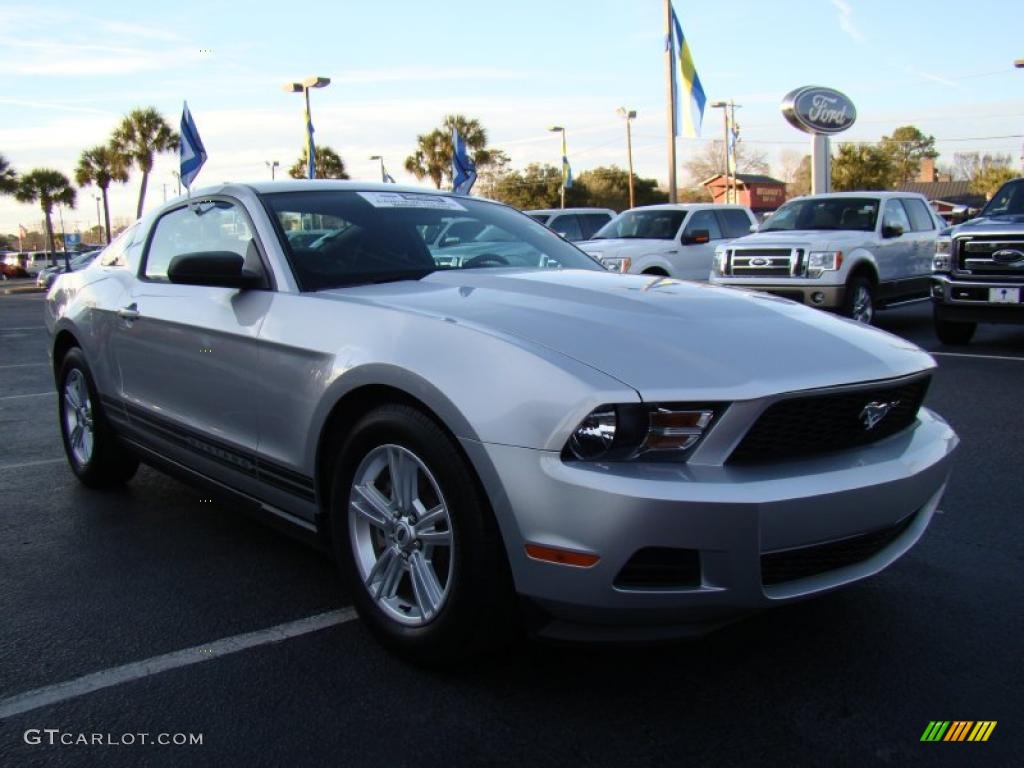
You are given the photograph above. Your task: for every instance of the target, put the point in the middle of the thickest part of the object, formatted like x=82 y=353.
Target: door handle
x=130 y=312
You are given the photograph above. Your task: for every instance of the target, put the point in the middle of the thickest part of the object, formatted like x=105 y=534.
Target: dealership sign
x=814 y=109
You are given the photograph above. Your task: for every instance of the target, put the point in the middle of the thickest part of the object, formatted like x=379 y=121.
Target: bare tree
x=789 y=164
x=711 y=161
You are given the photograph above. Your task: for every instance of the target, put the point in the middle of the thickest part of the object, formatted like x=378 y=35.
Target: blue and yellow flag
x=566 y=168
x=689 y=94
x=310 y=148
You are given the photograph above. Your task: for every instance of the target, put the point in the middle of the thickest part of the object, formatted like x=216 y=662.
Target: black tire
x=108 y=463
x=953 y=334
x=656 y=272
x=859 y=290
x=478 y=611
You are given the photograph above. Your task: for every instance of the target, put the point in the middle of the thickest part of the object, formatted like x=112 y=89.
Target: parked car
x=854 y=252
x=47 y=276
x=668 y=240
x=979 y=269
x=628 y=457
x=573 y=224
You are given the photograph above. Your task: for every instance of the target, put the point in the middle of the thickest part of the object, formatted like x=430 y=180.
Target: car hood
x=810 y=239
x=627 y=246
x=1013 y=222
x=667 y=339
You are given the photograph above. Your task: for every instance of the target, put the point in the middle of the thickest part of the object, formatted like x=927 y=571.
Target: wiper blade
x=391 y=277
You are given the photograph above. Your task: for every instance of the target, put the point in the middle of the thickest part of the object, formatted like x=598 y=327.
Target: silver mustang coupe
x=516 y=437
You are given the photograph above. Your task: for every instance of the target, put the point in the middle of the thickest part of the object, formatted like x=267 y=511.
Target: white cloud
x=846 y=22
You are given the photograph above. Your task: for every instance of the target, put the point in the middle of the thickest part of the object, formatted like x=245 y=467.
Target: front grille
x=793 y=564
x=802 y=426
x=763 y=262
x=976 y=256
x=660 y=567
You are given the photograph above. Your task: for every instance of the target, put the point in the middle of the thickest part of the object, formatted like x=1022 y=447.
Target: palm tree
x=8 y=177
x=47 y=186
x=141 y=134
x=329 y=164
x=433 y=155
x=101 y=165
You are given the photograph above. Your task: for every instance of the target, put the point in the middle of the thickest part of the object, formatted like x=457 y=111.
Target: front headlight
x=668 y=432
x=617 y=263
x=943 y=255
x=719 y=263
x=823 y=261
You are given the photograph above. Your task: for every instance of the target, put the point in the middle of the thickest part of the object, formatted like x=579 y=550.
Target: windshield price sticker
x=411 y=200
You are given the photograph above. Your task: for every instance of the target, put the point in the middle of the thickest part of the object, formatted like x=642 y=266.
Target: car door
x=924 y=230
x=895 y=254
x=187 y=354
x=693 y=260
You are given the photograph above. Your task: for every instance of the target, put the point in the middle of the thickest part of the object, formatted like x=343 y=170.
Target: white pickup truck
x=854 y=252
x=669 y=240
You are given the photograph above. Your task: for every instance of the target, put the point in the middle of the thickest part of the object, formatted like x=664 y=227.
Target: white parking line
x=39 y=463
x=21 y=365
x=34 y=394
x=28 y=328
x=97 y=681
x=978 y=357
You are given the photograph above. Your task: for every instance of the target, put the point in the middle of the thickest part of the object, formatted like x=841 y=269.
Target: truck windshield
x=1007 y=201
x=853 y=213
x=658 y=224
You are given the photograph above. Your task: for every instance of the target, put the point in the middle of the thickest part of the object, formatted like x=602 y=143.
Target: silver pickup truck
x=979 y=268
x=854 y=252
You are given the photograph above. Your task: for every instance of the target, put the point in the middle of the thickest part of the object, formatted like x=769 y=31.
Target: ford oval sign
x=815 y=109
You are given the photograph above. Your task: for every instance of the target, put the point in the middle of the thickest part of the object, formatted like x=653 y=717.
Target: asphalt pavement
x=92 y=581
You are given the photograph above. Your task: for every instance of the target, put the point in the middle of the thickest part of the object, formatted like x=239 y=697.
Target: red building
x=762 y=193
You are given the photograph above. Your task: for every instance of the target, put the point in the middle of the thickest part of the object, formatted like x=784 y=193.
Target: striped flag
x=566 y=168
x=463 y=169
x=191 y=152
x=688 y=89
x=310 y=148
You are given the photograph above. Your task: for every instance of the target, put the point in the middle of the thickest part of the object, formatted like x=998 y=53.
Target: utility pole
x=629 y=114
x=670 y=71
x=724 y=106
x=731 y=167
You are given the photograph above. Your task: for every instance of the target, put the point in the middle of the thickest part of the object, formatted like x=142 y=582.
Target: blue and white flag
x=690 y=115
x=310 y=148
x=191 y=152
x=463 y=169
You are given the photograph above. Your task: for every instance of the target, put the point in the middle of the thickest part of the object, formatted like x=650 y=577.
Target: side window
x=567 y=226
x=114 y=254
x=920 y=219
x=895 y=215
x=735 y=222
x=210 y=226
x=704 y=220
x=591 y=222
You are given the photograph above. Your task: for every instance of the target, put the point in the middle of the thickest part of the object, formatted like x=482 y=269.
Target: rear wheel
x=416 y=541
x=92 y=449
x=859 y=300
x=953 y=334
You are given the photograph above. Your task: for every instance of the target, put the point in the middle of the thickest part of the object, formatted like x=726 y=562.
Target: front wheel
x=859 y=300
x=953 y=334
x=416 y=540
x=92 y=449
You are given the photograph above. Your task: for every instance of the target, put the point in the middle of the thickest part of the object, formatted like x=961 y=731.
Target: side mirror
x=697 y=237
x=450 y=241
x=891 y=230
x=753 y=227
x=223 y=269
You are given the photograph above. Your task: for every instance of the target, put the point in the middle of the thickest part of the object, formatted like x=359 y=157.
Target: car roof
x=553 y=211
x=880 y=194
x=685 y=207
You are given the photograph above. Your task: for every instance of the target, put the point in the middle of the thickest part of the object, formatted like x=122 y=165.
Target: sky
x=69 y=71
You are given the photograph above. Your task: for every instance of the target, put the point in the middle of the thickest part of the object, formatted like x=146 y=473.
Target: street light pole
x=271 y=164
x=561 y=130
x=99 y=221
x=303 y=87
x=381 y=158
x=629 y=114
x=177 y=178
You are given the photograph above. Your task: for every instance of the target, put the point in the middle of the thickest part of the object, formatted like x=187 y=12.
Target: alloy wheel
x=78 y=419
x=863 y=306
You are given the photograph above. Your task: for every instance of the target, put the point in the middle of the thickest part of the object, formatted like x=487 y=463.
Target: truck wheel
x=859 y=300
x=953 y=334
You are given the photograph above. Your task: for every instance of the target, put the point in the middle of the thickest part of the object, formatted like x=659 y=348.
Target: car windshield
x=662 y=224
x=540 y=218
x=1009 y=200
x=848 y=213
x=372 y=237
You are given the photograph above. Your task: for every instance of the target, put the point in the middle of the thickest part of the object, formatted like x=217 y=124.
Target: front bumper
x=958 y=300
x=805 y=292
x=732 y=516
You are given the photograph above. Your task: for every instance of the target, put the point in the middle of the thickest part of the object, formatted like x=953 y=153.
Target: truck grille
x=802 y=426
x=991 y=256
x=793 y=564
x=763 y=262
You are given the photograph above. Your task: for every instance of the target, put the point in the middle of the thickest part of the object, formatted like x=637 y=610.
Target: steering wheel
x=485 y=260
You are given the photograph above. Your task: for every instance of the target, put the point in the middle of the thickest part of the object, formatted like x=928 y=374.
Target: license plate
x=1004 y=295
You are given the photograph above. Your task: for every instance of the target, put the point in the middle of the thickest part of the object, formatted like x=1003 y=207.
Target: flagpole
x=670 y=71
